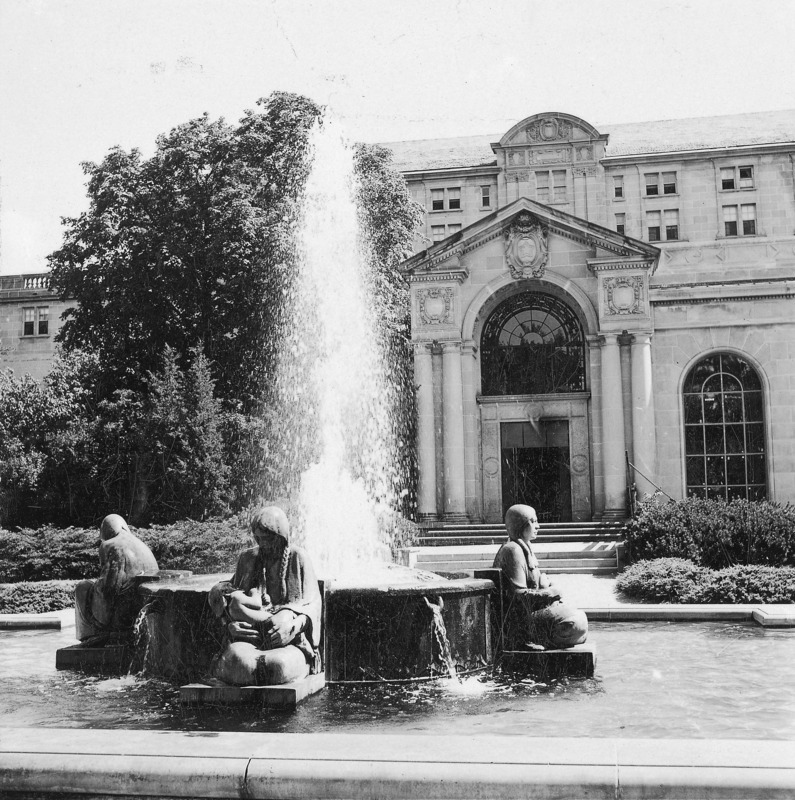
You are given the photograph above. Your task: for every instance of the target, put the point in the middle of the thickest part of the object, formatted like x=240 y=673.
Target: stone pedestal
x=284 y=696
x=574 y=662
x=112 y=659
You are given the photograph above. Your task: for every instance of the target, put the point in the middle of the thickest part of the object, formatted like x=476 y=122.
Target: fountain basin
x=377 y=628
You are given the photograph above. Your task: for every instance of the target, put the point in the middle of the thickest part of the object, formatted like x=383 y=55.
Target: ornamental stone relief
x=435 y=305
x=548 y=129
x=516 y=157
x=557 y=155
x=585 y=153
x=526 y=249
x=624 y=294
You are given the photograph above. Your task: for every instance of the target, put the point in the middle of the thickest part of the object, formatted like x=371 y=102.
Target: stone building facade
x=595 y=313
x=30 y=316
x=603 y=312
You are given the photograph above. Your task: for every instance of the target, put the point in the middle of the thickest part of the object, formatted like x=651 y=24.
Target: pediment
x=526 y=227
x=548 y=128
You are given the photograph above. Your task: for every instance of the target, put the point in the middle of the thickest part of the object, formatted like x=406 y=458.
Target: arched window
x=532 y=344
x=724 y=430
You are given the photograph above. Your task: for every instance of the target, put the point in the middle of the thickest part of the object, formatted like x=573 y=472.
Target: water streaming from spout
x=333 y=380
x=440 y=635
x=140 y=631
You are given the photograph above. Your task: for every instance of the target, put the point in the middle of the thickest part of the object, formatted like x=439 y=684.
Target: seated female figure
x=535 y=618
x=271 y=610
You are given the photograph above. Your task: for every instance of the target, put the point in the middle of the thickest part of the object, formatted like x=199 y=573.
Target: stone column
x=614 y=465
x=426 y=441
x=471 y=450
x=643 y=436
x=453 y=432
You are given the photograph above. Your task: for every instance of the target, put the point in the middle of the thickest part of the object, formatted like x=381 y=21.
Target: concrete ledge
x=99 y=763
x=26 y=622
x=782 y=616
x=574 y=662
x=673 y=612
x=286 y=695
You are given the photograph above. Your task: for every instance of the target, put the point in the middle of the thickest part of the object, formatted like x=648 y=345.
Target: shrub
x=36 y=598
x=750 y=584
x=677 y=580
x=663 y=580
x=52 y=553
x=714 y=533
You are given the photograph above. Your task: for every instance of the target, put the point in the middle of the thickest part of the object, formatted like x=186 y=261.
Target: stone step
x=464 y=541
x=446 y=567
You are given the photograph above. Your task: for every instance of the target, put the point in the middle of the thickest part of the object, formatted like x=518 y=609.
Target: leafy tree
x=179 y=269
x=189 y=248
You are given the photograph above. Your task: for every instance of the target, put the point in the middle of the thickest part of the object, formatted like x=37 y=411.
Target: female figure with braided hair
x=271 y=610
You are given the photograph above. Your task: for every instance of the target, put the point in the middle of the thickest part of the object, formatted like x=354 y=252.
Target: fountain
x=336 y=395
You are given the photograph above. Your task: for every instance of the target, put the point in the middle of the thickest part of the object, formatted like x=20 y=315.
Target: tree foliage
x=160 y=407
x=190 y=248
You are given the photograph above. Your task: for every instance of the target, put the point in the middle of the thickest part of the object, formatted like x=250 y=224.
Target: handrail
x=632 y=489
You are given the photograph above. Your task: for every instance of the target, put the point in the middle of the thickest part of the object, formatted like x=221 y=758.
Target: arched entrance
x=534 y=408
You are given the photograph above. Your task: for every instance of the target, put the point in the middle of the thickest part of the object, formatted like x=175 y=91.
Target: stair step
x=463 y=541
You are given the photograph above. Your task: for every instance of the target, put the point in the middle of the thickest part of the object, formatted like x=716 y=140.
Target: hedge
x=713 y=533
x=203 y=547
x=679 y=580
x=36 y=598
x=61 y=554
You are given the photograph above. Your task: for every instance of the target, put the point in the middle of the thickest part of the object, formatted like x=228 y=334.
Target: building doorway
x=536 y=468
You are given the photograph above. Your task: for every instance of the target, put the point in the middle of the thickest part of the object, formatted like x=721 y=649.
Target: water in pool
x=653 y=680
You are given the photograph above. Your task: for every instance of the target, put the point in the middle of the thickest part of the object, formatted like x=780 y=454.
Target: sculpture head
x=270 y=528
x=521 y=522
x=111 y=526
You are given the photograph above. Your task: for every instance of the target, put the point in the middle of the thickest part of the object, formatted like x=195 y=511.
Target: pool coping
x=42 y=761
x=770 y=615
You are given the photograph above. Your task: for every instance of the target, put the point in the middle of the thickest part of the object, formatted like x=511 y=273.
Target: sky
x=78 y=77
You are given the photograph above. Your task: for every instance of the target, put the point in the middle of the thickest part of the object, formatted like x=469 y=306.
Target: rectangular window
x=542 y=187
x=44 y=320
x=672 y=224
x=559 y=185
x=669 y=182
x=28 y=321
x=730 y=220
x=652 y=183
x=437 y=199
x=437 y=233
x=620 y=223
x=748 y=211
x=653 y=225
x=451 y=229
x=485 y=196
x=736 y=178
x=618 y=186
x=454 y=199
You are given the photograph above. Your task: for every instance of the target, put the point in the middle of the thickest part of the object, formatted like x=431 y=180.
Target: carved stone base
x=455 y=518
x=287 y=695
x=574 y=662
x=113 y=659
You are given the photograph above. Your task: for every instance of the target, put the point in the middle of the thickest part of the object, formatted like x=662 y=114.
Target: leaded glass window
x=532 y=344
x=724 y=430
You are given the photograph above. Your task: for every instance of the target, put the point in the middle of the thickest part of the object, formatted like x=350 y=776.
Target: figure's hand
x=280 y=629
x=552 y=593
x=243 y=632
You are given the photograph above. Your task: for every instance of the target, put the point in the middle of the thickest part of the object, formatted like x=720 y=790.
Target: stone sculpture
x=106 y=608
x=271 y=610
x=535 y=618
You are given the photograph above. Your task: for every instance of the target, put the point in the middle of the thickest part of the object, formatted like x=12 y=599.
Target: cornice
x=455 y=276
x=614 y=264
